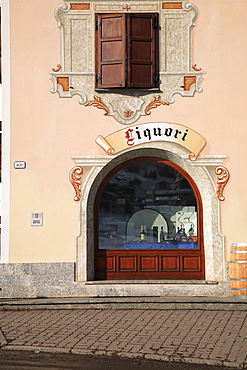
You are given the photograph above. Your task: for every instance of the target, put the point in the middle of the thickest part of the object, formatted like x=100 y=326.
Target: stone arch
x=198 y=170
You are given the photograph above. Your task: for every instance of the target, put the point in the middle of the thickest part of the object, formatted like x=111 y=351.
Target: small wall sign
x=37 y=219
x=19 y=164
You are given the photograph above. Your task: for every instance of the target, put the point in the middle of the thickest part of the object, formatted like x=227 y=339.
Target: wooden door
x=158 y=199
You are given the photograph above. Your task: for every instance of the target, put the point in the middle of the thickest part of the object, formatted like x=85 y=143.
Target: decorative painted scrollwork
x=192 y=157
x=127 y=7
x=58 y=68
x=223 y=178
x=156 y=102
x=196 y=68
x=75 y=179
x=128 y=113
x=98 y=104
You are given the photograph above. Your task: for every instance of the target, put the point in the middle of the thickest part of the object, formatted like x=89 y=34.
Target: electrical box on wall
x=37 y=219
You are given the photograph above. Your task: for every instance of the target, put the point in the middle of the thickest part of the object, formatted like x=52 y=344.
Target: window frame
x=115 y=170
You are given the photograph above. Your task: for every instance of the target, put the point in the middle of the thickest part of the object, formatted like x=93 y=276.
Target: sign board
x=150 y=132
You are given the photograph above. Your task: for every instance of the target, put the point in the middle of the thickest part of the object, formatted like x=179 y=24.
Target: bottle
x=184 y=236
x=162 y=235
x=155 y=234
x=191 y=231
x=143 y=234
x=179 y=234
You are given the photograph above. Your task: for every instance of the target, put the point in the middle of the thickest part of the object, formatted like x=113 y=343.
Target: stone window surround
x=75 y=74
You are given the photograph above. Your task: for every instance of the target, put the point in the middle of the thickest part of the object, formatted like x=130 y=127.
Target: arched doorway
x=148 y=223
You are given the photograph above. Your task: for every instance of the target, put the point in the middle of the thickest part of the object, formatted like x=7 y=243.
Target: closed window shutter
x=127 y=50
x=142 y=50
x=110 y=50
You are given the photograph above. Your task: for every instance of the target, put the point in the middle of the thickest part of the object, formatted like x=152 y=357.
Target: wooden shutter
x=110 y=50
x=142 y=50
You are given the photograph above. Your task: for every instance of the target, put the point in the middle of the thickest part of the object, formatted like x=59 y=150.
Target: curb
x=144 y=303
x=188 y=360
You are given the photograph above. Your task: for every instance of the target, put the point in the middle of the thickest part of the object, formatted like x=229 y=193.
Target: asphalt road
x=29 y=360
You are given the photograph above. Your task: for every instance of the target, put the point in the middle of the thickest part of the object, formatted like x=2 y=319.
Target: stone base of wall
x=33 y=280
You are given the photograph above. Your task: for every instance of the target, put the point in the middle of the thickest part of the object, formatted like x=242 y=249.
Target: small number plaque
x=20 y=164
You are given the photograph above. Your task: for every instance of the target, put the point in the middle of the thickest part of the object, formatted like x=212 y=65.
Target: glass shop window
x=148 y=205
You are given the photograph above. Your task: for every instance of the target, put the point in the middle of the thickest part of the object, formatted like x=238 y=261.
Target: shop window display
x=148 y=205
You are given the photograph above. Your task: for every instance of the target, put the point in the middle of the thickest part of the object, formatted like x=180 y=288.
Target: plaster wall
x=45 y=130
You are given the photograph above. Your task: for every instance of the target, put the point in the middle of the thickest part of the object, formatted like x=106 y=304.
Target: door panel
x=169 y=263
x=106 y=263
x=127 y=263
x=191 y=263
x=149 y=263
x=137 y=265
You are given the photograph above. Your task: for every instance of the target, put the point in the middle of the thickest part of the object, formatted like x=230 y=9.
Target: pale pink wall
x=47 y=130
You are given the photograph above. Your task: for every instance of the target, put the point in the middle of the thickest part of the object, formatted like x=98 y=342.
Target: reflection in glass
x=148 y=205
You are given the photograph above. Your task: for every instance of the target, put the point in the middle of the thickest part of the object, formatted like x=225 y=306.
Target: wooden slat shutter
x=142 y=50
x=110 y=50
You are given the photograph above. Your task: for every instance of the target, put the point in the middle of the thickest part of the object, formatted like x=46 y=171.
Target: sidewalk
x=203 y=336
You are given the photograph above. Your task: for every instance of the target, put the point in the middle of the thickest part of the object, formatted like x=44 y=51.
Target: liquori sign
x=151 y=132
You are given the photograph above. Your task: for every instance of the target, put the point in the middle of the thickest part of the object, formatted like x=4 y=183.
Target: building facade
x=123 y=147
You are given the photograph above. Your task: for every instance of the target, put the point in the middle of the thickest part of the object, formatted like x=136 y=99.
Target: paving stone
x=195 y=336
